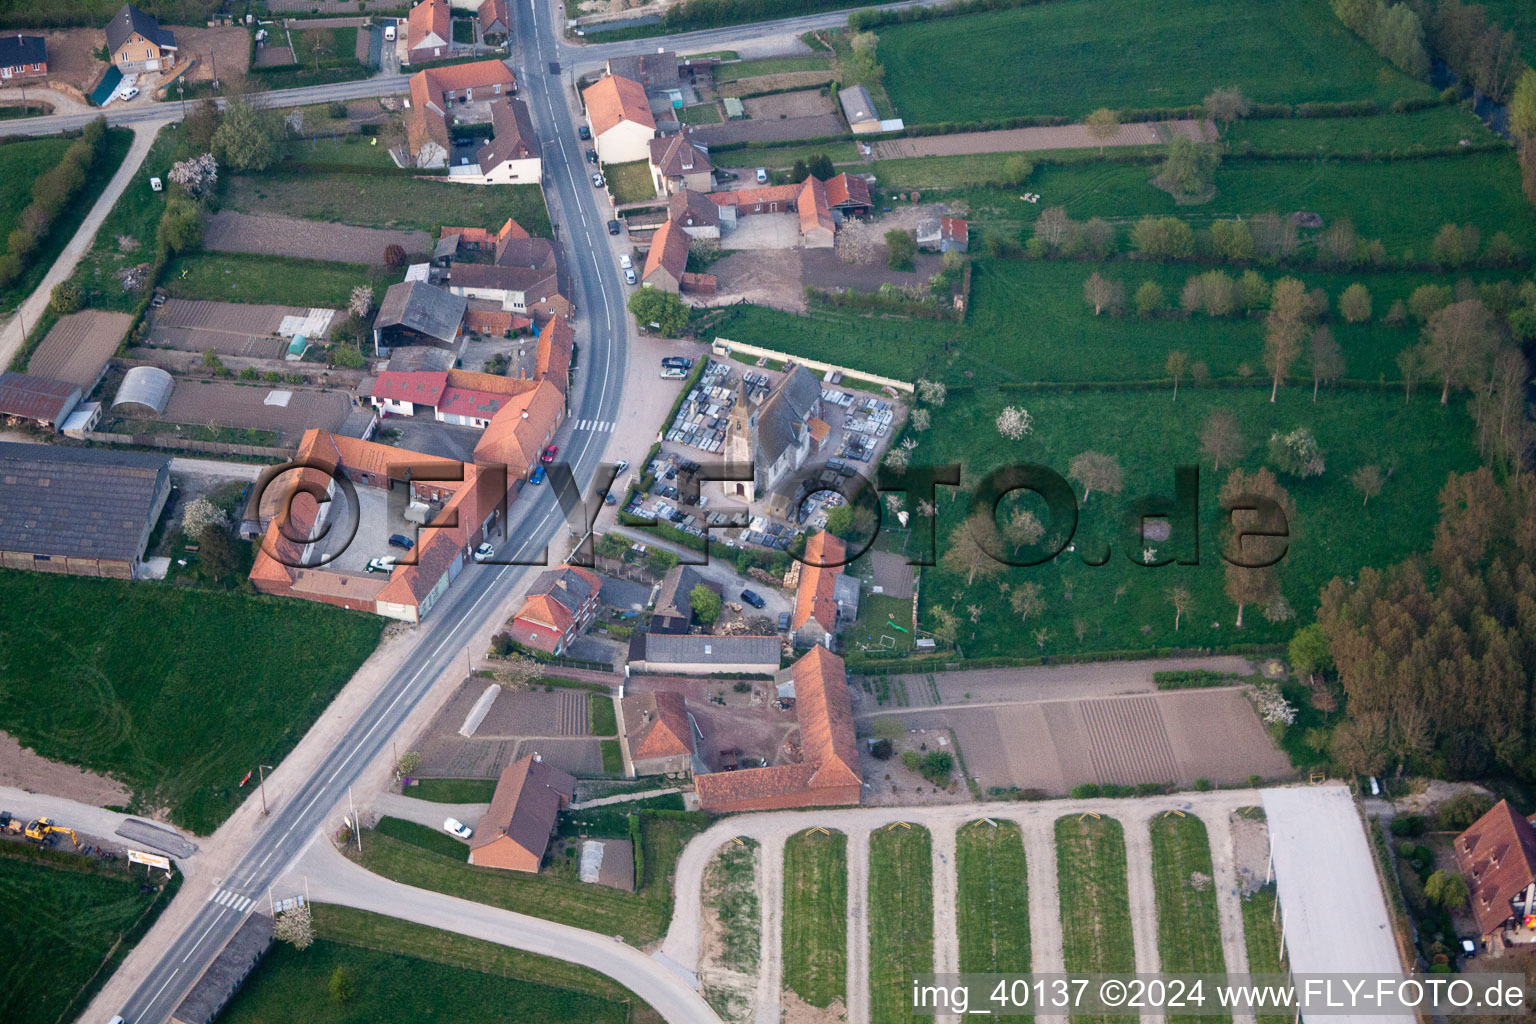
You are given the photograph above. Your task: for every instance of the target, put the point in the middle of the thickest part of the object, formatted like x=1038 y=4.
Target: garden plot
x=556 y=724
x=79 y=345
x=816 y=917
x=229 y=328
x=993 y=910
x=272 y=235
x=1090 y=867
x=900 y=919
x=286 y=412
x=1188 y=926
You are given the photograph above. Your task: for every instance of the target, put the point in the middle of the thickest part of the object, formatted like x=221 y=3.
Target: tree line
x=52 y=191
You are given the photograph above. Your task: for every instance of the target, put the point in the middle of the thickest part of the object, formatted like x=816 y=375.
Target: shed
x=734 y=109
x=39 y=399
x=146 y=386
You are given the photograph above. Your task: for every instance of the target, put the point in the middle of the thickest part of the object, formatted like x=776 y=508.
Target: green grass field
x=631 y=182
x=127 y=236
x=900 y=919
x=358 y=150
x=1150 y=435
x=613 y=757
x=993 y=908
x=776 y=157
x=1261 y=934
x=816 y=917
x=1090 y=872
x=700 y=113
x=1188 y=926
x=239 y=277
x=438 y=975
x=388 y=200
x=640 y=917
x=423 y=837
x=1123 y=54
x=1421 y=129
x=453 y=791
x=195 y=688
x=66 y=922
x=20 y=164
x=601 y=719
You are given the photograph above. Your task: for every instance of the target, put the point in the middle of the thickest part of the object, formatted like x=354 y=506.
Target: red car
x=550 y=453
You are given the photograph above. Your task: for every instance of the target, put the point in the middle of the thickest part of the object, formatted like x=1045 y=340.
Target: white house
x=620 y=118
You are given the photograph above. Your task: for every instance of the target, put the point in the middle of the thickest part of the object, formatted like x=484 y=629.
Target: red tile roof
x=812 y=205
x=848 y=190
x=757 y=196
x=493 y=11
x=813 y=595
x=669 y=251
x=954 y=229
x=667 y=732
x=430 y=17
x=427 y=119
x=421 y=386
x=526 y=804
x=517 y=436
x=612 y=99
x=553 y=361
x=1498 y=857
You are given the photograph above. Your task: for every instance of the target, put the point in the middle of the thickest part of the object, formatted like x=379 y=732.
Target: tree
x=1359 y=744
x=408 y=765
x=1180 y=599
x=1027 y=600
x=820 y=166
x=394 y=255
x=1410 y=364
x=1189 y=171
x=1274 y=236
x=248 y=139
x=1232 y=240
x=933 y=392
x=1522 y=108
x=1339 y=245
x=1226 y=105
x=1097 y=472
x=1023 y=528
x=1428 y=299
x=864 y=47
x=201 y=515
x=360 y=302
x=1254 y=582
x=1099 y=292
x=201 y=122
x=1159 y=238
x=706 y=604
x=1326 y=357
x=1098 y=238
x=900 y=248
x=1297 y=453
x=1176 y=366
x=296 y=927
x=1015 y=423
x=1052 y=227
x=659 y=310
x=1149 y=299
x=196 y=177
x=517 y=672
x=181 y=226
x=1355 y=304
x=1284 y=328
x=218 y=558
x=1458 y=342
x=1103 y=124
x=1308 y=651
x=341 y=986
x=1446 y=889
x=1016 y=170
x=1221 y=439
x=65 y=297
x=969 y=548
x=1368 y=480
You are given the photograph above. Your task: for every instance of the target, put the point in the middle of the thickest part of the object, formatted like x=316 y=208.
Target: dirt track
x=273 y=235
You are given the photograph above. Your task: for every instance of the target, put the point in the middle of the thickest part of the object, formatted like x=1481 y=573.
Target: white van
x=389 y=32
x=762 y=175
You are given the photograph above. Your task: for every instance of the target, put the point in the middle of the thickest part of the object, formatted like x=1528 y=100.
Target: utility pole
x=261 y=772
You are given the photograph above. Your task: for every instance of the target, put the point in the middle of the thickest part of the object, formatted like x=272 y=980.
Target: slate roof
x=514 y=138
x=76 y=502
x=497 y=277
x=649 y=69
x=692 y=209
x=36 y=398
x=16 y=50
x=525 y=805
x=676 y=155
x=782 y=418
x=674 y=609
x=712 y=650
x=857 y=104
x=1497 y=855
x=128 y=20
x=657 y=725
x=433 y=311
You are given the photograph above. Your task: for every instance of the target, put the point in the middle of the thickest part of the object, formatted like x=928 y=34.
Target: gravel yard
x=274 y=235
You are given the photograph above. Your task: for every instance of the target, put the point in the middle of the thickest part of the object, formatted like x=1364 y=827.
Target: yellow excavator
x=43 y=830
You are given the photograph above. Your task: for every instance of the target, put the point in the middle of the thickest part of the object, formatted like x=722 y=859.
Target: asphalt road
x=534 y=521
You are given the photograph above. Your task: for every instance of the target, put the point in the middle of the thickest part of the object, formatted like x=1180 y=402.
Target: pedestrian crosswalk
x=233 y=900
x=595 y=426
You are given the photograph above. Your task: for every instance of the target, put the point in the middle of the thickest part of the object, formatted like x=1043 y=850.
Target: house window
x=496 y=90
x=42 y=558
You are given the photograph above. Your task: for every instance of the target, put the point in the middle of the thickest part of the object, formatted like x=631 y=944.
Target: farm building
x=807 y=200
x=620 y=118
x=658 y=736
x=82 y=511
x=40 y=400
x=417 y=313
x=859 y=109
x=138 y=43
x=848 y=195
x=694 y=213
x=23 y=57
x=667 y=259
x=822 y=603
x=560 y=604
x=827 y=774
x=145 y=388
x=514 y=832
x=671 y=653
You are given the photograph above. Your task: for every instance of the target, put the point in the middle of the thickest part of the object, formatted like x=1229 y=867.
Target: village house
x=23 y=57
x=697 y=654
x=515 y=830
x=429 y=31
x=775 y=437
x=512 y=157
x=138 y=43
x=828 y=772
x=495 y=21
x=457 y=397
x=620 y=118
x=560 y=605
x=667 y=260
x=694 y=213
x=826 y=598
x=678 y=163
x=651 y=70
x=658 y=735
x=462 y=91
x=673 y=611
x=1497 y=857
x=524 y=273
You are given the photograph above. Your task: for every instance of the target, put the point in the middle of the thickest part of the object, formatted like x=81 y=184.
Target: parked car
x=629 y=277
x=384 y=564
x=131 y=93
x=584 y=131
x=537 y=476
x=550 y=453
x=783 y=622
x=677 y=362
x=625 y=261
x=483 y=552
x=610 y=498
x=752 y=598
x=597 y=181
x=614 y=227
x=620 y=466
x=1468 y=948
x=591 y=156
x=762 y=175
x=672 y=373
x=400 y=540
x=455 y=827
